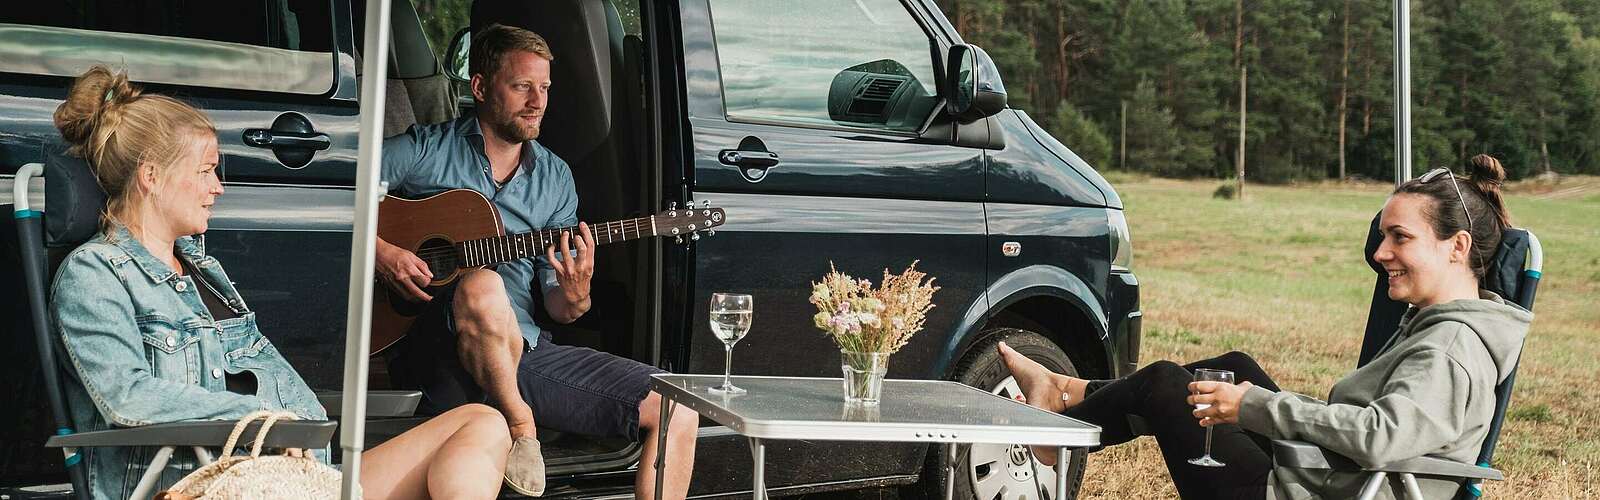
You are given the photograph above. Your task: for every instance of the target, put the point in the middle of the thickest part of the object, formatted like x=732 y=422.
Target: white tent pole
x=363 y=241
x=1402 y=91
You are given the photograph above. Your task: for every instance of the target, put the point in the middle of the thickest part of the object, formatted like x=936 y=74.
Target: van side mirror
x=973 y=83
x=456 y=68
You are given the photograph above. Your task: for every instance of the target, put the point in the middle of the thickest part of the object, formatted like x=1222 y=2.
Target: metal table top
x=934 y=411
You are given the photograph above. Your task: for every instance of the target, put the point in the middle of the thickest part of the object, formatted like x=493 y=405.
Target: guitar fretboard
x=505 y=248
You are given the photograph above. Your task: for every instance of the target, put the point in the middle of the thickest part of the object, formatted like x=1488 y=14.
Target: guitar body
x=433 y=223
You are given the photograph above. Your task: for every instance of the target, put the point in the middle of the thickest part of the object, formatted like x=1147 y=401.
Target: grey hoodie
x=1430 y=391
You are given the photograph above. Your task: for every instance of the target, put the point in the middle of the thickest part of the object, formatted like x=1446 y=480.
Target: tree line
x=1519 y=79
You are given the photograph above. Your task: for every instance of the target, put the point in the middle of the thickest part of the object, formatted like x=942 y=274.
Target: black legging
x=1158 y=393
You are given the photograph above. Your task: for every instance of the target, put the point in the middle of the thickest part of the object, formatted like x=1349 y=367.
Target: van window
x=854 y=63
x=267 y=45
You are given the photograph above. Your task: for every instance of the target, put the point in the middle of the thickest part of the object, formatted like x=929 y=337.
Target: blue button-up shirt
x=428 y=159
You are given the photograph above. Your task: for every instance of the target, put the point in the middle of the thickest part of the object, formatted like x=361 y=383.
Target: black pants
x=1157 y=393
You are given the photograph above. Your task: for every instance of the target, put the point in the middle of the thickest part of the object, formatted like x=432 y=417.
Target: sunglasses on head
x=1446 y=172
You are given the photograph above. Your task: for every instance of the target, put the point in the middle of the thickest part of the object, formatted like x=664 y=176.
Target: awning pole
x=1402 y=91
x=358 y=324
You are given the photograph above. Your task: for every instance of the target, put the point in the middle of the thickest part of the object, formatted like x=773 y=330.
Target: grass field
x=1280 y=275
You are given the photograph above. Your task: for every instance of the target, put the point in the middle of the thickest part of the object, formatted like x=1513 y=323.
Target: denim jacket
x=146 y=350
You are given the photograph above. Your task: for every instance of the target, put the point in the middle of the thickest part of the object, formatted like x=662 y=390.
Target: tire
x=997 y=475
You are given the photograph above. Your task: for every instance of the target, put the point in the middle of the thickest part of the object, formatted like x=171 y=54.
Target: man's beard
x=512 y=130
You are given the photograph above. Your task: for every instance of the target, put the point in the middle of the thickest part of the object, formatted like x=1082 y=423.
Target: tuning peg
x=705 y=203
x=672 y=205
x=711 y=232
x=677 y=239
x=695 y=236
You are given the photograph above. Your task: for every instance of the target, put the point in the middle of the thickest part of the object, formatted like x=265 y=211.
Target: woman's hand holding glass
x=1208 y=406
x=1224 y=399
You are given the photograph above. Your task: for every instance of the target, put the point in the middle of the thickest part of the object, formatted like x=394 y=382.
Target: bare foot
x=1043 y=389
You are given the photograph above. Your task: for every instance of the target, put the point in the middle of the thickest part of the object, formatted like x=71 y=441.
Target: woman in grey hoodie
x=1430 y=391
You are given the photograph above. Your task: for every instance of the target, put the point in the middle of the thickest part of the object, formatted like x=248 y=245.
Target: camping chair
x=76 y=201
x=1513 y=274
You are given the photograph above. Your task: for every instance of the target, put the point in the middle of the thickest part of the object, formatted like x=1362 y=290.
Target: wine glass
x=730 y=320
x=1209 y=375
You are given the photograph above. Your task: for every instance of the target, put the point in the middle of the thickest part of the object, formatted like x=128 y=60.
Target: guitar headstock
x=689 y=221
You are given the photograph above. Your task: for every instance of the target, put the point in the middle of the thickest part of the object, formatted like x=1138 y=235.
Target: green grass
x=1280 y=274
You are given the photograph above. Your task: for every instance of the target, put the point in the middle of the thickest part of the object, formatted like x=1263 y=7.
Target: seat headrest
x=1504 y=276
x=73 y=199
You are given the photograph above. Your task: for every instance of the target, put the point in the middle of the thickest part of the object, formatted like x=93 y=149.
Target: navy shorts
x=571 y=389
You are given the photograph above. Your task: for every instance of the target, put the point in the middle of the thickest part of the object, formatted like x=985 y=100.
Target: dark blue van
x=859 y=133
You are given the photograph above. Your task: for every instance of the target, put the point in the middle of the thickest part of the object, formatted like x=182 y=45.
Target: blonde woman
x=157 y=333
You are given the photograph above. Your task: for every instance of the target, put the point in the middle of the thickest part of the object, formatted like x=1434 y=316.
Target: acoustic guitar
x=459 y=229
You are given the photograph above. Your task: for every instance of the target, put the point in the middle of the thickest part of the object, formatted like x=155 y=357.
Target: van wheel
x=996 y=471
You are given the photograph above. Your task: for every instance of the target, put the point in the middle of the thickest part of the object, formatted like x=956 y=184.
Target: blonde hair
x=491 y=44
x=116 y=128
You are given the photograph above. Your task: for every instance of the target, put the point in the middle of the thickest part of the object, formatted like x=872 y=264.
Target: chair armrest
x=285 y=434
x=1303 y=455
x=379 y=403
x=1434 y=466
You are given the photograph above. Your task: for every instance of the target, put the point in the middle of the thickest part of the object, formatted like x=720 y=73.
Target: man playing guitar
x=476 y=340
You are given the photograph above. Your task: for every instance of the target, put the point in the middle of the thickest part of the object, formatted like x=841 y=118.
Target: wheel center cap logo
x=1019 y=455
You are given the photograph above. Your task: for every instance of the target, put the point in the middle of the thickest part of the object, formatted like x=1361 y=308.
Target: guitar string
x=509 y=244
x=437 y=258
x=506 y=242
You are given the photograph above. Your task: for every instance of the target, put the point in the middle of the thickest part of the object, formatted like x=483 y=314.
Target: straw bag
x=292 y=475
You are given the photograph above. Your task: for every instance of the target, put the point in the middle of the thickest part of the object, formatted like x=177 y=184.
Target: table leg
x=950 y=471
x=1062 y=458
x=758 y=481
x=667 y=405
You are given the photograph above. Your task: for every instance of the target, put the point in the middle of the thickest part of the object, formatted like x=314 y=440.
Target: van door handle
x=291 y=138
x=748 y=158
x=263 y=138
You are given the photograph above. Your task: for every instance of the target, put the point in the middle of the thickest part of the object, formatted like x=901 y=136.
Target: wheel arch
x=1045 y=299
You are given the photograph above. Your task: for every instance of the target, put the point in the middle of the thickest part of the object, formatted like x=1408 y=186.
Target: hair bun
x=1486 y=171
x=93 y=95
x=1486 y=175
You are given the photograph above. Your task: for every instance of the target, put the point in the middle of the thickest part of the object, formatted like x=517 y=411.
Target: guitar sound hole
x=440 y=256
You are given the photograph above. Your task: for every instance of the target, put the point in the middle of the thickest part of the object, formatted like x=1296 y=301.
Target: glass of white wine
x=730 y=320
x=1203 y=375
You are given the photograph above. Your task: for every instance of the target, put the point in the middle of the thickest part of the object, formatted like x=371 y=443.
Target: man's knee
x=480 y=303
x=650 y=414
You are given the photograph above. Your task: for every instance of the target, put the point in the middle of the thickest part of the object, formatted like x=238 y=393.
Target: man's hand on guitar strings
x=576 y=265
x=403 y=271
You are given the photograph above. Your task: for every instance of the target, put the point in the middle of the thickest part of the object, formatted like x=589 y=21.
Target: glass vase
x=863 y=376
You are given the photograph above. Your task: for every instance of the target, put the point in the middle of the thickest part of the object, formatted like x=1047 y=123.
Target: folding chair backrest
x=1513 y=274
x=76 y=201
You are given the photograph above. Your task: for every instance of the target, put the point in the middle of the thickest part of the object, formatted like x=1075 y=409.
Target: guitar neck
x=509 y=247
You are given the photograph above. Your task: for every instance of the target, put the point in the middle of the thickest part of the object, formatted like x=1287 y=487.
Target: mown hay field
x=1280 y=275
